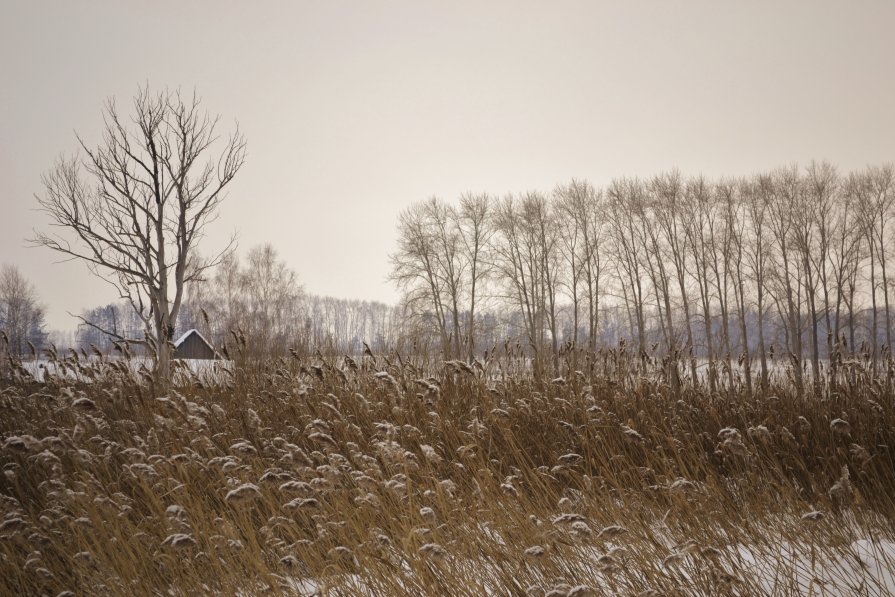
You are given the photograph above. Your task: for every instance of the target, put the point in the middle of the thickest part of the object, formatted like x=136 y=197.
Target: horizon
x=351 y=114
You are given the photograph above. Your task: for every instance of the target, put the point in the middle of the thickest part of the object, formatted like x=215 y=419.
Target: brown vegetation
x=380 y=477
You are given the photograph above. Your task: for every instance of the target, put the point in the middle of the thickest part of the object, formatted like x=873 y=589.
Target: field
x=382 y=477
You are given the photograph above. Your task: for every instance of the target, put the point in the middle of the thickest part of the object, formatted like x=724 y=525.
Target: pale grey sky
x=353 y=110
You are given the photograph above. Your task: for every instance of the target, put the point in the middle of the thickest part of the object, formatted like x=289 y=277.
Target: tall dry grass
x=389 y=477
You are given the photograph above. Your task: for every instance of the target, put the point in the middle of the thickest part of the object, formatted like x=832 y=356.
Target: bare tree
x=758 y=258
x=847 y=255
x=648 y=237
x=579 y=206
x=700 y=221
x=526 y=256
x=21 y=314
x=449 y=262
x=667 y=192
x=416 y=270
x=541 y=214
x=821 y=201
x=785 y=192
x=627 y=253
x=570 y=248
x=139 y=202
x=722 y=243
x=273 y=297
x=475 y=227
x=736 y=201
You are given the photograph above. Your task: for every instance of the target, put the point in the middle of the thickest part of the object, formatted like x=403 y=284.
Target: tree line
x=22 y=316
x=789 y=264
x=256 y=303
x=732 y=273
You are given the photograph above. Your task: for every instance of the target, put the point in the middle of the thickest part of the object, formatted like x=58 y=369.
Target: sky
x=354 y=110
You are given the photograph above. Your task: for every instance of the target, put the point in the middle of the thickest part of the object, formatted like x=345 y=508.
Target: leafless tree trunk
x=847 y=255
x=581 y=228
x=668 y=194
x=720 y=246
x=450 y=266
x=627 y=252
x=825 y=201
x=548 y=239
x=571 y=241
x=702 y=219
x=520 y=262
x=736 y=197
x=784 y=203
x=759 y=259
x=476 y=230
x=655 y=264
x=806 y=242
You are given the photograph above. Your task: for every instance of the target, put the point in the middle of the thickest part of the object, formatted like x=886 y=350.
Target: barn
x=193 y=345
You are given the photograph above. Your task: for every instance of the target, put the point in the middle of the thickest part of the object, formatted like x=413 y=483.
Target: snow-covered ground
x=207 y=371
x=864 y=567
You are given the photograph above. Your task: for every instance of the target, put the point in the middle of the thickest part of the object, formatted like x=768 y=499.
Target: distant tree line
x=21 y=314
x=793 y=263
x=256 y=304
x=259 y=303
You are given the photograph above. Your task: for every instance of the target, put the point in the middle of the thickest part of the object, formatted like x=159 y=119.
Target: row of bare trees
x=731 y=274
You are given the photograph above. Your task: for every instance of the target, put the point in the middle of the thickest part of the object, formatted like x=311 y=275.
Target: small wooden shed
x=193 y=345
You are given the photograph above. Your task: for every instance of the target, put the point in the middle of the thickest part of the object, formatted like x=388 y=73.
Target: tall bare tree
x=736 y=201
x=627 y=253
x=785 y=194
x=450 y=264
x=416 y=269
x=700 y=221
x=822 y=203
x=847 y=255
x=722 y=246
x=139 y=202
x=668 y=195
x=581 y=209
x=526 y=256
x=475 y=227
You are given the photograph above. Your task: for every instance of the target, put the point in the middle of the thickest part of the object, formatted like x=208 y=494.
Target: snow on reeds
x=400 y=480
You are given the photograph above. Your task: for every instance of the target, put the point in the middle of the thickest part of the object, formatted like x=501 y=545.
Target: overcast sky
x=354 y=110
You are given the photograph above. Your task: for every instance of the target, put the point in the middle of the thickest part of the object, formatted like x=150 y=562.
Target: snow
x=208 y=370
x=864 y=567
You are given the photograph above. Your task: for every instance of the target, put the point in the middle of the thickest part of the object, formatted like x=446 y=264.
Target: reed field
x=385 y=475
